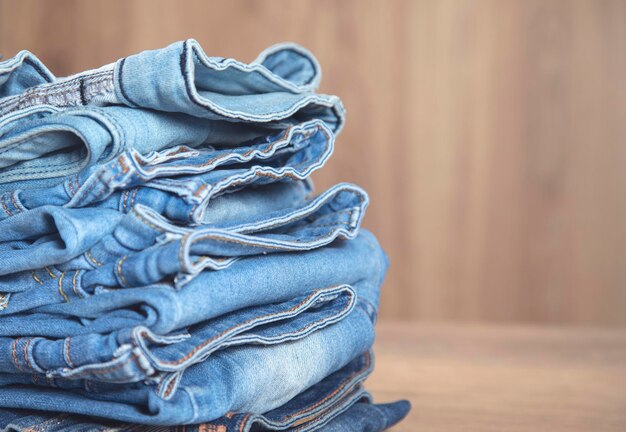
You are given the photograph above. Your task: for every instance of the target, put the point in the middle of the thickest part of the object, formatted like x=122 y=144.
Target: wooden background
x=490 y=134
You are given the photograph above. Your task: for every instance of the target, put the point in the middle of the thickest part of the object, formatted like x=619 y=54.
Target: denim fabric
x=48 y=235
x=295 y=152
x=107 y=357
x=119 y=261
x=203 y=101
x=252 y=281
x=22 y=72
x=364 y=417
x=278 y=87
x=186 y=198
x=182 y=180
x=342 y=411
x=40 y=151
x=62 y=143
x=163 y=261
x=235 y=379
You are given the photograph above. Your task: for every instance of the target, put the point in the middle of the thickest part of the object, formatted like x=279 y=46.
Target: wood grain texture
x=503 y=378
x=489 y=133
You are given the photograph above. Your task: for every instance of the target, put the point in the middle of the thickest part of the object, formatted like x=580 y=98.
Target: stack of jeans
x=163 y=260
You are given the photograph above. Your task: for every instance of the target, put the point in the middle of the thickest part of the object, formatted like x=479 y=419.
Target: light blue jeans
x=185 y=382
x=162 y=260
x=148 y=102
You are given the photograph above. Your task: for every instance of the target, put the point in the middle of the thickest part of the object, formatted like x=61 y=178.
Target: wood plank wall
x=489 y=133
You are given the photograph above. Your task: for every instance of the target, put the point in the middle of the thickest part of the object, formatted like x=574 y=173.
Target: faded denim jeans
x=163 y=259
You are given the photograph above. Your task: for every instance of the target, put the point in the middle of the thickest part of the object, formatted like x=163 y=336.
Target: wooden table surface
x=471 y=378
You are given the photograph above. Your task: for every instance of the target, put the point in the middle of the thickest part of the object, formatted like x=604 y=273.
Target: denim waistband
x=336 y=404
x=231 y=380
x=138 y=354
x=38 y=151
x=187 y=198
x=355 y=413
x=335 y=214
x=132 y=169
x=277 y=86
x=164 y=309
x=120 y=261
x=68 y=224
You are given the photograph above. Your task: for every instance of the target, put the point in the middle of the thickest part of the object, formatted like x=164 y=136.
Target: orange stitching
x=200 y=189
x=67 y=300
x=14 y=201
x=243 y=422
x=119 y=270
x=4 y=206
x=14 y=354
x=26 y=353
x=122 y=164
x=67 y=352
x=91 y=258
x=145 y=221
x=77 y=181
x=195 y=206
x=169 y=388
x=208 y=427
x=39 y=281
x=52 y=275
x=208 y=341
x=74 y=284
x=71 y=186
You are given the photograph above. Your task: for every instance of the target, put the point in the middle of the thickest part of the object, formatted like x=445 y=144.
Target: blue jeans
x=184 y=199
x=231 y=379
x=326 y=406
x=162 y=259
x=163 y=309
x=151 y=101
x=181 y=78
x=179 y=178
x=138 y=250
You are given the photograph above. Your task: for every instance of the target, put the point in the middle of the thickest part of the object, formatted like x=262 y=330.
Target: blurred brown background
x=490 y=134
